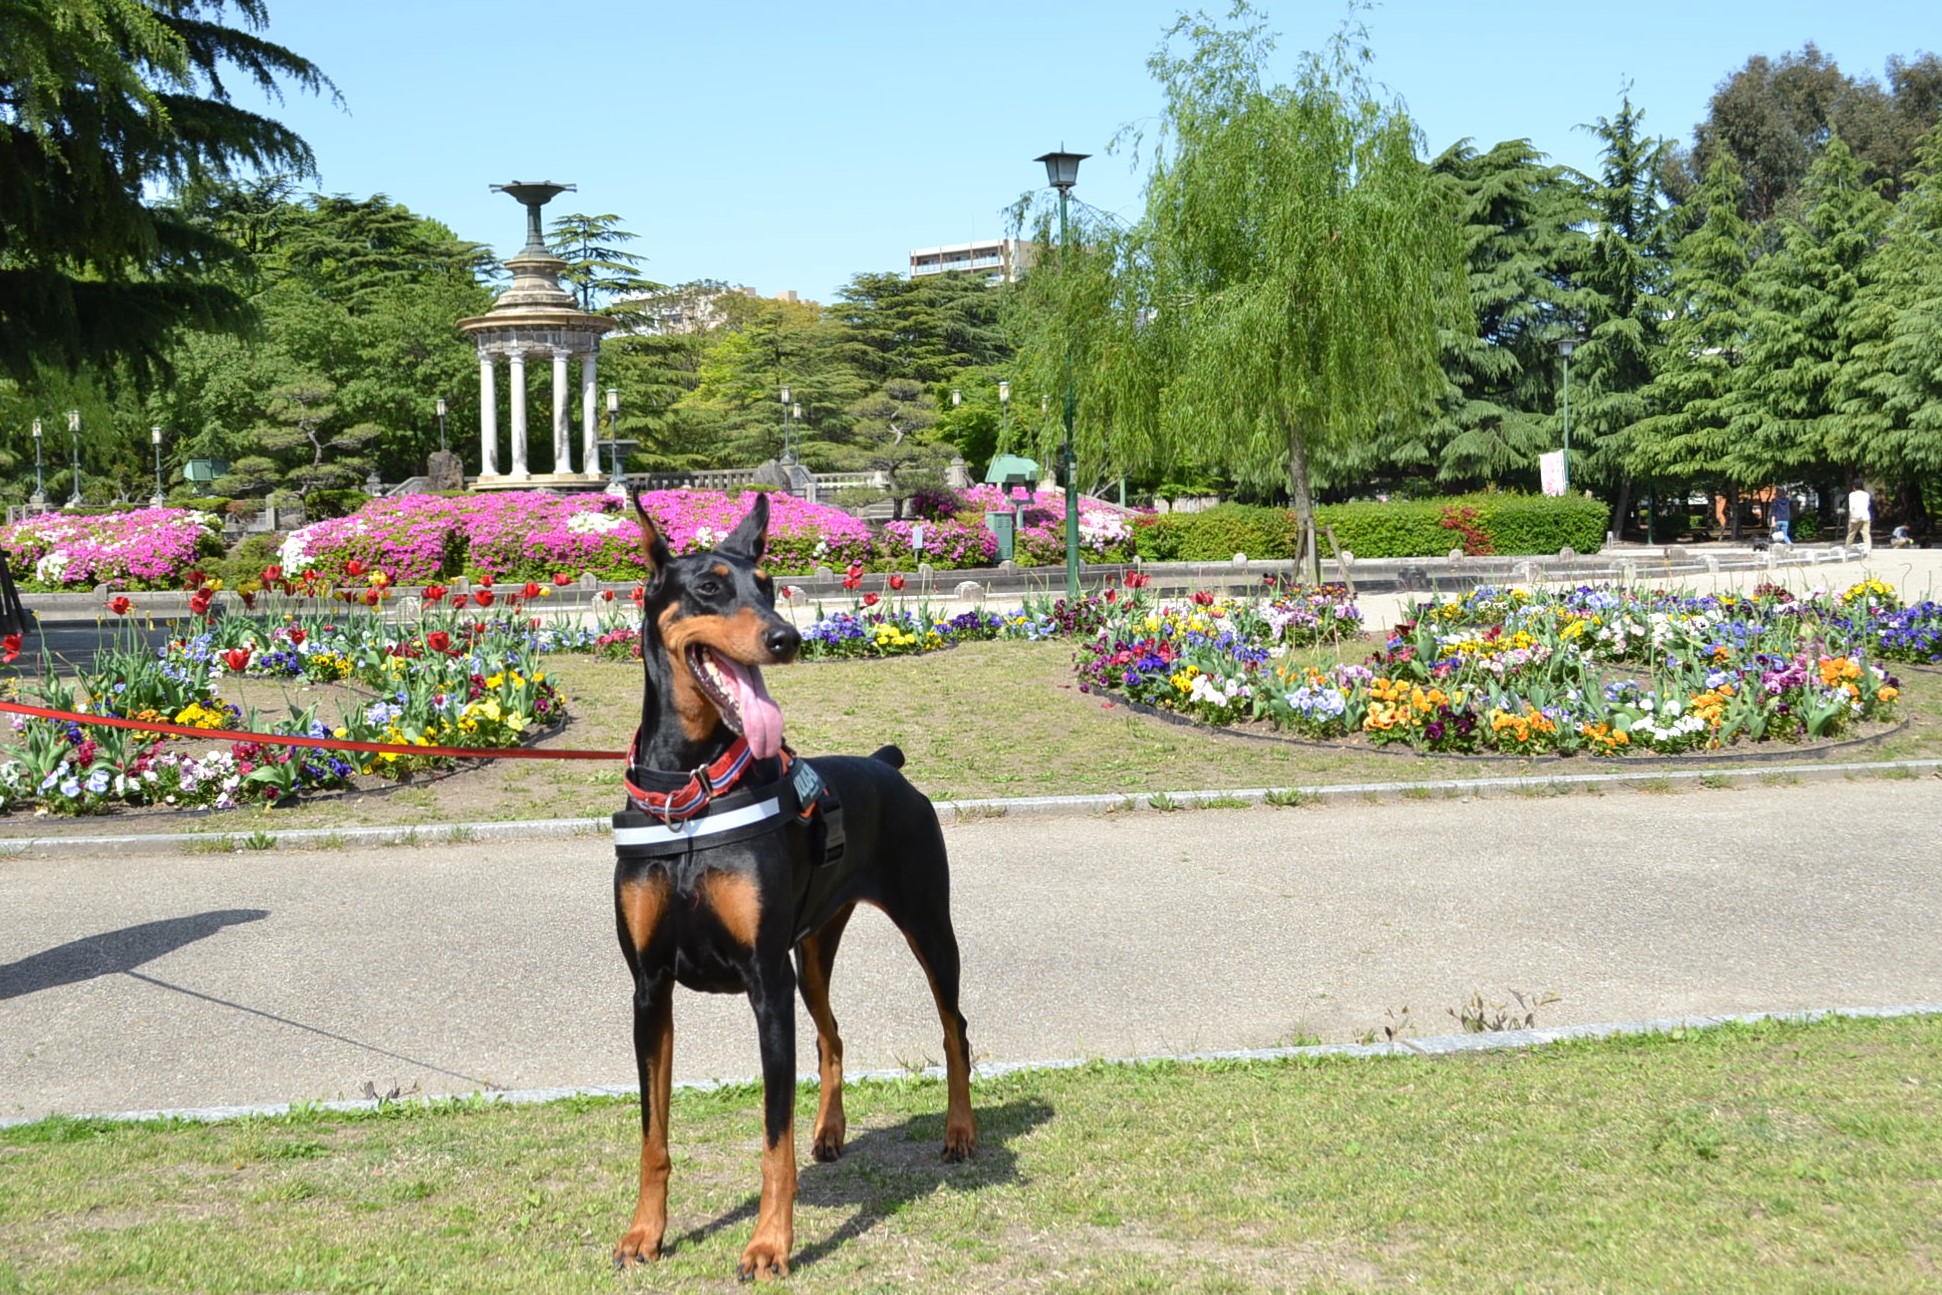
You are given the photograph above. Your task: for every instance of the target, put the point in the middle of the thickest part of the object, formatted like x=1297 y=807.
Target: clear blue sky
x=785 y=144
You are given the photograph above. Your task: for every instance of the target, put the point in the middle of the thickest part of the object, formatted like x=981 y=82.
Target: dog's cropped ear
x=751 y=534
x=654 y=548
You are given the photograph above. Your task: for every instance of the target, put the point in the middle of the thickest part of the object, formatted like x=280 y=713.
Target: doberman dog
x=734 y=854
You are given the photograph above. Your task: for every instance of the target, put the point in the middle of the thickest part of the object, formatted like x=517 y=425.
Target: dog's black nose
x=781 y=641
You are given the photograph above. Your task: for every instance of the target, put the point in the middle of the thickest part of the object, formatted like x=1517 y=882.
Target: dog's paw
x=960 y=1143
x=763 y=1260
x=636 y=1248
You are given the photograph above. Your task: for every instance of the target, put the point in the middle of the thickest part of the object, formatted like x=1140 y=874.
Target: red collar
x=703 y=784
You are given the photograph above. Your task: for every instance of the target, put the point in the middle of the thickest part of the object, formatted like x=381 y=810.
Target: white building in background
x=999 y=259
x=690 y=308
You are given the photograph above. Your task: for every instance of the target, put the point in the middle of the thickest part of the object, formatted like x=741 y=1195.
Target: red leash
x=321 y=743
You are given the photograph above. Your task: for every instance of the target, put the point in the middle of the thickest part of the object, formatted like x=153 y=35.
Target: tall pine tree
x=1688 y=435
x=1789 y=427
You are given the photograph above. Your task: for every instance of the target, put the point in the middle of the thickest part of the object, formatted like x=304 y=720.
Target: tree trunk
x=1733 y=510
x=1309 y=561
x=1622 y=508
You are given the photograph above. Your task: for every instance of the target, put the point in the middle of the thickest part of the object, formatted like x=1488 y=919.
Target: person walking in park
x=1782 y=511
x=1860 y=516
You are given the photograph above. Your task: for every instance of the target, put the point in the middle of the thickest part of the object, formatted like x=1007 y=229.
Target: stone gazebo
x=537 y=318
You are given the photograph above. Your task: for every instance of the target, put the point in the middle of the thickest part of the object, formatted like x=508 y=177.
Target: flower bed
x=146 y=548
x=454 y=678
x=1509 y=671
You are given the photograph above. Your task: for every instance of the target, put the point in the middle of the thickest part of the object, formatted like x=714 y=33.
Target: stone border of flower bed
x=964 y=811
x=1728 y=755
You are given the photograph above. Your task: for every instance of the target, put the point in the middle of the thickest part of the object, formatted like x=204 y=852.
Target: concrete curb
x=1440 y=1046
x=968 y=811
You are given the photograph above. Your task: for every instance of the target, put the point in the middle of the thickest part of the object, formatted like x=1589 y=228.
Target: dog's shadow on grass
x=884 y=1170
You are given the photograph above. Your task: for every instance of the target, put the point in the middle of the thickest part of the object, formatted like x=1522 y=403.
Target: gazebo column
x=589 y=421
x=516 y=375
x=562 y=430
x=488 y=417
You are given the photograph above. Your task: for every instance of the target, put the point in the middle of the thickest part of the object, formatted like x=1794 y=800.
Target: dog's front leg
x=774 y=998
x=654 y=1056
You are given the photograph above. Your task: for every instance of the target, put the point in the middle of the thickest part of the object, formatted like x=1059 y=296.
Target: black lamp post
x=787 y=456
x=40 y=487
x=441 y=425
x=614 y=486
x=1062 y=172
x=1566 y=345
x=155 y=437
x=74 y=449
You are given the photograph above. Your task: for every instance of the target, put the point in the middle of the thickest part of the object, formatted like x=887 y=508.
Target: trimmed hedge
x=1510 y=524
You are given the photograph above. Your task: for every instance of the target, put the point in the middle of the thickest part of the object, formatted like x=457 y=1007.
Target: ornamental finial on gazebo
x=534 y=194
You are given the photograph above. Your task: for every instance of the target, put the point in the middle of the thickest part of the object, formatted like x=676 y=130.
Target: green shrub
x=319 y=504
x=1216 y=534
x=1417 y=528
x=242 y=566
x=1401 y=528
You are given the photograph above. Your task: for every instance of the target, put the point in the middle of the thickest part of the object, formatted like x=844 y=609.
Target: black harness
x=780 y=797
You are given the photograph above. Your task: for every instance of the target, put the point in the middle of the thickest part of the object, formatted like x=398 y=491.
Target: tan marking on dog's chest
x=642 y=905
x=736 y=903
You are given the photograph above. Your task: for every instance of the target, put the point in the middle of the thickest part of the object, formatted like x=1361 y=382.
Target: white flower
x=52 y=568
x=291 y=557
x=594 y=523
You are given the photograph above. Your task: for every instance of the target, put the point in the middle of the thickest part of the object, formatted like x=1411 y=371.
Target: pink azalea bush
x=948 y=542
x=148 y=548
x=408 y=537
x=527 y=535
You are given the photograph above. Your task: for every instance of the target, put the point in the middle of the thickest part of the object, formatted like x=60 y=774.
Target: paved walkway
x=133 y=982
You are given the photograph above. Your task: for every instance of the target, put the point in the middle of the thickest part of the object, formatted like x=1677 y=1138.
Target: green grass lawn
x=982 y=720
x=1774 y=1157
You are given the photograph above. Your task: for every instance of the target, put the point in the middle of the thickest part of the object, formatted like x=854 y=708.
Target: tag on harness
x=809 y=786
x=822 y=811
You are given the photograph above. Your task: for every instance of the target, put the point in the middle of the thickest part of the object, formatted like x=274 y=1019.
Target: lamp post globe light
x=1566 y=345
x=74 y=455
x=39 y=500
x=155 y=437
x=441 y=425
x=614 y=484
x=1062 y=172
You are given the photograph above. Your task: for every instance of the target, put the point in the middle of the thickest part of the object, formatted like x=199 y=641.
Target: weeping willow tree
x=1277 y=303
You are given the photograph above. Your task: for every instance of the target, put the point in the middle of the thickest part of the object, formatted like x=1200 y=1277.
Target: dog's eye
x=707 y=588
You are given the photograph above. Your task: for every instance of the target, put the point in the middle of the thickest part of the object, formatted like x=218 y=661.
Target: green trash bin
x=1004 y=525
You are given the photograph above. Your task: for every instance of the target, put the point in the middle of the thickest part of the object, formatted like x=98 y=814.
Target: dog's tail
x=890 y=755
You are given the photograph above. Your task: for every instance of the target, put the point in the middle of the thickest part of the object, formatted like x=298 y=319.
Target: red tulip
x=371 y=597
x=438 y=641
x=485 y=581
x=9 y=649
x=532 y=590
x=607 y=595
x=194 y=579
x=354 y=568
x=1203 y=598
x=272 y=575
x=1137 y=579
x=534 y=622
x=119 y=605
x=237 y=659
x=249 y=598
x=640 y=594
x=852 y=582
x=896 y=581
x=297 y=636
x=871 y=599
x=484 y=597
x=434 y=595
x=199 y=601
x=1112 y=595
x=458 y=601
x=562 y=579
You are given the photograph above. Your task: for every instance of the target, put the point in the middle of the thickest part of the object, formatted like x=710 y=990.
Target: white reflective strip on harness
x=704 y=825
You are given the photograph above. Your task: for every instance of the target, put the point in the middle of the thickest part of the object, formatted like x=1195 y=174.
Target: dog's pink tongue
x=761 y=717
